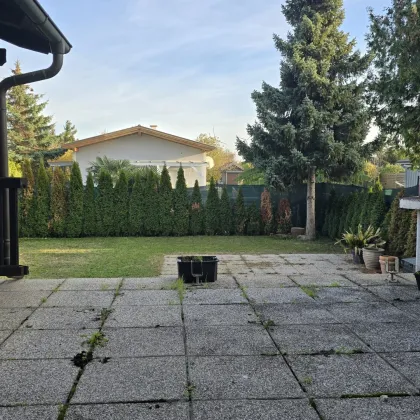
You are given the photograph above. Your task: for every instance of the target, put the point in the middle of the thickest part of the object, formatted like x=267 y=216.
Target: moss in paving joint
x=179 y=287
x=104 y=287
x=269 y=323
x=118 y=289
x=96 y=339
x=189 y=390
x=43 y=300
x=335 y=284
x=243 y=292
x=311 y=291
x=307 y=380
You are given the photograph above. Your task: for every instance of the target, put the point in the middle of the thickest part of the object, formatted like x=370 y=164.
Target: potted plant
x=387 y=260
x=373 y=248
x=353 y=242
x=417 y=276
x=196 y=269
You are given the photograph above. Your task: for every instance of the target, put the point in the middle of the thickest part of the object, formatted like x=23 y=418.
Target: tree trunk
x=310 y=205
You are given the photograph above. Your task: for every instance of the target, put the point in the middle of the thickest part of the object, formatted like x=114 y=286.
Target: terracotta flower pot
x=391 y=263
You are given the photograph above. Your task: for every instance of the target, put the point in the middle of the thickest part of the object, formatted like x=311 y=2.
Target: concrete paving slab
x=39 y=412
x=122 y=380
x=4 y=334
x=406 y=363
x=224 y=281
x=27 y=285
x=344 y=294
x=408 y=277
x=327 y=280
x=394 y=293
x=81 y=298
x=156 y=411
x=390 y=337
x=200 y=315
x=412 y=308
x=44 y=344
x=22 y=299
x=108 y=284
x=246 y=377
x=346 y=375
x=228 y=340
x=395 y=408
x=145 y=316
x=364 y=279
x=64 y=319
x=141 y=342
x=288 y=313
x=26 y=382
x=148 y=283
x=147 y=297
x=267 y=280
x=272 y=295
x=10 y=319
x=308 y=339
x=254 y=410
x=213 y=297
x=367 y=312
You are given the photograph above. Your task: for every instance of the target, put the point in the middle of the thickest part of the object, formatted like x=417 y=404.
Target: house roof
x=231 y=166
x=138 y=129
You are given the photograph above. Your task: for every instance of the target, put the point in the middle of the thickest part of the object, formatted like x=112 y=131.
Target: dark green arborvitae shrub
x=336 y=219
x=378 y=209
x=254 y=220
x=58 y=203
x=240 y=214
x=212 y=210
x=329 y=214
x=136 y=207
x=266 y=210
x=74 y=221
x=151 y=223
x=352 y=207
x=225 y=213
x=27 y=202
x=284 y=216
x=395 y=225
x=105 y=205
x=166 y=203
x=42 y=202
x=343 y=219
x=400 y=242
x=410 y=249
x=197 y=215
x=121 y=227
x=181 y=205
x=365 y=207
x=89 y=219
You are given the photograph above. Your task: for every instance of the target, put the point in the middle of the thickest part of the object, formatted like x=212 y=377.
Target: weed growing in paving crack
x=311 y=291
x=243 y=291
x=105 y=313
x=118 y=289
x=179 y=286
x=269 y=323
x=43 y=300
x=97 y=339
x=307 y=380
x=104 y=286
x=189 y=390
x=335 y=284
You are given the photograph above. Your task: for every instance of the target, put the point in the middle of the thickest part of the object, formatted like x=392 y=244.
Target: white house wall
x=145 y=147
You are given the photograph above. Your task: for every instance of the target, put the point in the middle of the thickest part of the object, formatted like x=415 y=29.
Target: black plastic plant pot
x=357 y=258
x=417 y=276
x=197 y=269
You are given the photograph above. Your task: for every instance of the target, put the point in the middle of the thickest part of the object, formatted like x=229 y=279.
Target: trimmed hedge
x=225 y=214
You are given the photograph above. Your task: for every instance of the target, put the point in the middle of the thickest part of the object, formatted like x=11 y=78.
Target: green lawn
x=142 y=257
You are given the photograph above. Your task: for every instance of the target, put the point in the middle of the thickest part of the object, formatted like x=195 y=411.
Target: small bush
x=166 y=203
x=136 y=207
x=151 y=224
x=197 y=215
x=105 y=205
x=225 y=213
x=74 y=222
x=58 y=203
x=240 y=213
x=410 y=248
x=27 y=202
x=266 y=209
x=284 y=216
x=212 y=210
x=42 y=203
x=89 y=219
x=181 y=206
x=254 y=220
x=121 y=224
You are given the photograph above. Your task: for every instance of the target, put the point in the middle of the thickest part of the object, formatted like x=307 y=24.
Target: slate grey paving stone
x=43 y=344
x=26 y=285
x=395 y=408
x=288 y=314
x=364 y=279
x=268 y=280
x=272 y=295
x=147 y=297
x=213 y=297
x=406 y=363
x=148 y=283
x=141 y=342
x=224 y=281
x=103 y=284
x=145 y=316
x=242 y=377
x=412 y=308
x=38 y=412
x=396 y=293
x=307 y=339
x=157 y=411
x=132 y=379
x=64 y=319
x=10 y=319
x=4 y=334
x=199 y=315
x=389 y=337
x=287 y=270
x=356 y=374
x=81 y=298
x=254 y=410
x=228 y=340
x=22 y=299
x=326 y=280
x=36 y=381
x=367 y=312
x=344 y=295
x=408 y=277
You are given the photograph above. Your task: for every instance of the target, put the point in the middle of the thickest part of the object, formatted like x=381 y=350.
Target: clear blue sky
x=188 y=66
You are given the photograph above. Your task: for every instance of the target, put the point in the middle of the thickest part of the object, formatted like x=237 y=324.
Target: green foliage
x=251 y=175
x=89 y=205
x=58 y=203
x=69 y=133
x=181 y=205
x=42 y=202
x=240 y=213
x=197 y=212
x=389 y=168
x=27 y=202
x=328 y=213
x=266 y=212
x=105 y=205
x=410 y=249
x=74 y=222
x=378 y=209
x=136 y=207
x=365 y=206
x=121 y=227
x=226 y=223
x=212 y=210
x=166 y=203
x=151 y=213
x=15 y=170
x=342 y=226
x=254 y=220
x=334 y=231
x=284 y=216
x=400 y=241
x=352 y=208
x=395 y=226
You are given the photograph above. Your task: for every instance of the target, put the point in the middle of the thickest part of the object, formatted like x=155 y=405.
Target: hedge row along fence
x=57 y=204
x=398 y=226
